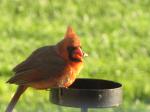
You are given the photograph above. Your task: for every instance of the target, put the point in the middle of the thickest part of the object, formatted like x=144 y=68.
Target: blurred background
x=115 y=33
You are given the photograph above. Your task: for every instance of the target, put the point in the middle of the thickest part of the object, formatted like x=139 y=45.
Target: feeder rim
x=119 y=86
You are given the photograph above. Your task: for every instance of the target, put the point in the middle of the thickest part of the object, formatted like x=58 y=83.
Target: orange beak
x=79 y=54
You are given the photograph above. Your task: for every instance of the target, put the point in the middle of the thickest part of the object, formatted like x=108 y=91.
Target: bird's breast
x=70 y=76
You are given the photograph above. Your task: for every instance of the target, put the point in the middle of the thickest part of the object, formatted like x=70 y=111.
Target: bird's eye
x=70 y=49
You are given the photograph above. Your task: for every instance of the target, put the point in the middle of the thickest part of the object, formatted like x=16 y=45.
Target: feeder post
x=84 y=109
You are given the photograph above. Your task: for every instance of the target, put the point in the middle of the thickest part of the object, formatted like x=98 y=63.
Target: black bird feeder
x=88 y=93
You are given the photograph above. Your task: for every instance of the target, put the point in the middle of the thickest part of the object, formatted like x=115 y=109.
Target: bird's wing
x=42 y=64
x=35 y=59
x=37 y=75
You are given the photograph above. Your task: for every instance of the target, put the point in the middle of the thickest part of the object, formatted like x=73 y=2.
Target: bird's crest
x=70 y=33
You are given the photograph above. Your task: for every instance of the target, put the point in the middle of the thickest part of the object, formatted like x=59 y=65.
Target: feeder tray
x=88 y=93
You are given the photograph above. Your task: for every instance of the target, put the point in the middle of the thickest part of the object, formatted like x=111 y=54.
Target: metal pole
x=84 y=109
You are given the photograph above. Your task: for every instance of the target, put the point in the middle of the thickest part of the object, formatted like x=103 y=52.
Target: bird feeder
x=88 y=93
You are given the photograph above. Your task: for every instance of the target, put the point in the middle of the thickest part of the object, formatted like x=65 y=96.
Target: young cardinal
x=49 y=67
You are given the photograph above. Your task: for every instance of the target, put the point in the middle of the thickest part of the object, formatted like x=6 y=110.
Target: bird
x=52 y=66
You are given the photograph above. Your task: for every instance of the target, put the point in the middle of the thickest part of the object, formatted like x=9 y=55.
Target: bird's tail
x=15 y=98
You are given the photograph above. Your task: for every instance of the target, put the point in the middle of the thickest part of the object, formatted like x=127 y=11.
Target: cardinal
x=49 y=67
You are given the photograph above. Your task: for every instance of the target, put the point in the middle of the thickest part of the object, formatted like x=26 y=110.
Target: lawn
x=115 y=33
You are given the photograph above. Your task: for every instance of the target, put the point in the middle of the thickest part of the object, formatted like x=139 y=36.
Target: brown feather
x=15 y=98
x=44 y=64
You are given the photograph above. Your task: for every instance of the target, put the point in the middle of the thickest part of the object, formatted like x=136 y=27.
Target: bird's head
x=70 y=47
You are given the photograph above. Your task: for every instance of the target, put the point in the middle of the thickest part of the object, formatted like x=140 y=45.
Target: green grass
x=115 y=33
